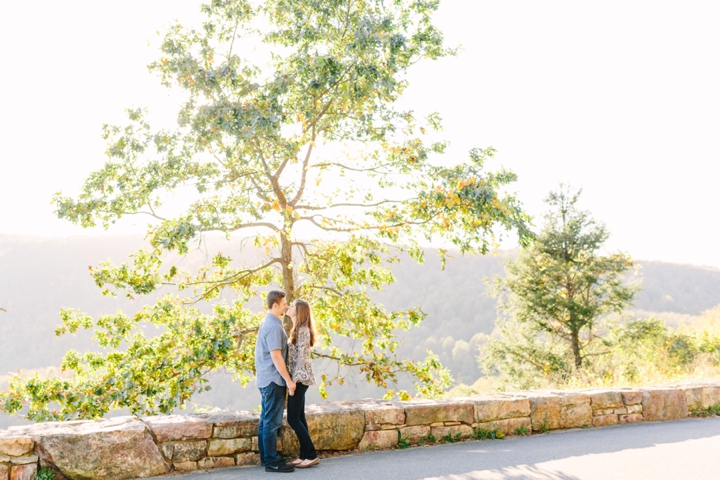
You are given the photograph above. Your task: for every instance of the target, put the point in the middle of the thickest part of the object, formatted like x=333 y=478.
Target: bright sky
x=620 y=98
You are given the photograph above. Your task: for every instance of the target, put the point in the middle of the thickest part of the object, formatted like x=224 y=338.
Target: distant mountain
x=39 y=276
x=671 y=287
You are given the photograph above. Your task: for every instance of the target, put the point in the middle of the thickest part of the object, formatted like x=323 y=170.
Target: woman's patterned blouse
x=299 y=364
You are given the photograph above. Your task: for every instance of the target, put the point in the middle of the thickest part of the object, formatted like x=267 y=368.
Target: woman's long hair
x=302 y=318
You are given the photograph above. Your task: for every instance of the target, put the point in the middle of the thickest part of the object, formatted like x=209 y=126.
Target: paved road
x=686 y=449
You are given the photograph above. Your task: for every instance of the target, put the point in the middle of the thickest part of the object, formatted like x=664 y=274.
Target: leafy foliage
x=429 y=438
x=635 y=351
x=402 y=441
x=646 y=350
x=555 y=294
x=256 y=138
x=713 y=411
x=449 y=437
x=488 y=434
x=40 y=275
x=45 y=473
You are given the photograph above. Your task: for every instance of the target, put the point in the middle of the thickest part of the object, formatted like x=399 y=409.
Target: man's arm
x=279 y=362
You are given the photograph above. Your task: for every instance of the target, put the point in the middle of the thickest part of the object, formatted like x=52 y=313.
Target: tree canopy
x=556 y=292
x=289 y=137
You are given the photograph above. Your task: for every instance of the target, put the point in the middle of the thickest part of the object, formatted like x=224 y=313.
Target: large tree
x=555 y=293
x=289 y=136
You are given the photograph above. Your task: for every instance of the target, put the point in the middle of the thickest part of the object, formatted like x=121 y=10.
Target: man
x=272 y=377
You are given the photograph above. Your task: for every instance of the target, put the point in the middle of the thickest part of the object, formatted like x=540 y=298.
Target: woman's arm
x=302 y=365
x=303 y=346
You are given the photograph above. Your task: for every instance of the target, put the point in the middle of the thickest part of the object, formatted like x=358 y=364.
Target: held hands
x=291 y=387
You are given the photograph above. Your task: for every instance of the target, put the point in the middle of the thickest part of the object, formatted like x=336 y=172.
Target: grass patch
x=450 y=438
x=402 y=442
x=429 y=438
x=45 y=474
x=522 y=431
x=485 y=434
x=713 y=411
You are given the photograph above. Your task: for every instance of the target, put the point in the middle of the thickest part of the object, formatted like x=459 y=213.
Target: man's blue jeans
x=273 y=404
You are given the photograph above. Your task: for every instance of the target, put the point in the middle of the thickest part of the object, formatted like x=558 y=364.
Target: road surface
x=685 y=449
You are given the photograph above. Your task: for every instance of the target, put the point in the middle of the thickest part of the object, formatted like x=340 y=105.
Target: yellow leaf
x=464 y=183
x=276 y=206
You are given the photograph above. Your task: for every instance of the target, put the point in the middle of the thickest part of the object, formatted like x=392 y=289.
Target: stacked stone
x=206 y=441
x=227 y=439
x=17 y=461
x=129 y=447
x=382 y=422
x=334 y=426
x=537 y=411
x=611 y=407
x=108 y=449
x=701 y=396
x=386 y=422
x=506 y=412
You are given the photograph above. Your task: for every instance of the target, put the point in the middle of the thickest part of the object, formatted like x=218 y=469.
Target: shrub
x=402 y=442
x=450 y=438
x=45 y=474
x=485 y=434
x=429 y=438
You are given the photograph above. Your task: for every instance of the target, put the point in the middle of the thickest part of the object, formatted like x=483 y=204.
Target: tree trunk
x=287 y=274
x=575 y=339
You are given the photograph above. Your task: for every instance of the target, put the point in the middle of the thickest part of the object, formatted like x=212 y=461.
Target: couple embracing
x=282 y=365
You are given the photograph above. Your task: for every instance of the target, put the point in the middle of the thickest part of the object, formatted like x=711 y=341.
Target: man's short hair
x=274 y=297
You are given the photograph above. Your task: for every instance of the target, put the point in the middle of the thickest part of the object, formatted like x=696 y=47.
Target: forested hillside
x=38 y=276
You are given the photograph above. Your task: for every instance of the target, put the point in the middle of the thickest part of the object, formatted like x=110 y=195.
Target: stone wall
x=130 y=447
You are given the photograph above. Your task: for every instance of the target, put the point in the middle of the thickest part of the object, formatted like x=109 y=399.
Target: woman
x=302 y=338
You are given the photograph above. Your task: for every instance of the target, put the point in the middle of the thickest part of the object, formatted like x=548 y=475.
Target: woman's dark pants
x=296 y=420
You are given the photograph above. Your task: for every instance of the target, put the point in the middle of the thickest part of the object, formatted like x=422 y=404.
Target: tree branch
x=241 y=226
x=303 y=178
x=308 y=207
x=312 y=220
x=340 y=165
x=338 y=359
x=273 y=178
x=232 y=42
x=231 y=279
x=598 y=353
x=250 y=174
x=262 y=160
x=329 y=289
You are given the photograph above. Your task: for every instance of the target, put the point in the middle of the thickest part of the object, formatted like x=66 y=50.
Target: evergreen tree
x=555 y=293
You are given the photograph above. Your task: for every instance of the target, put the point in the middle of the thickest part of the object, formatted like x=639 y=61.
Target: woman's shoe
x=296 y=462
x=308 y=463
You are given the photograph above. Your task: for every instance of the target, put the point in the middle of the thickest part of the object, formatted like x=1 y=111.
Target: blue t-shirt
x=271 y=336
